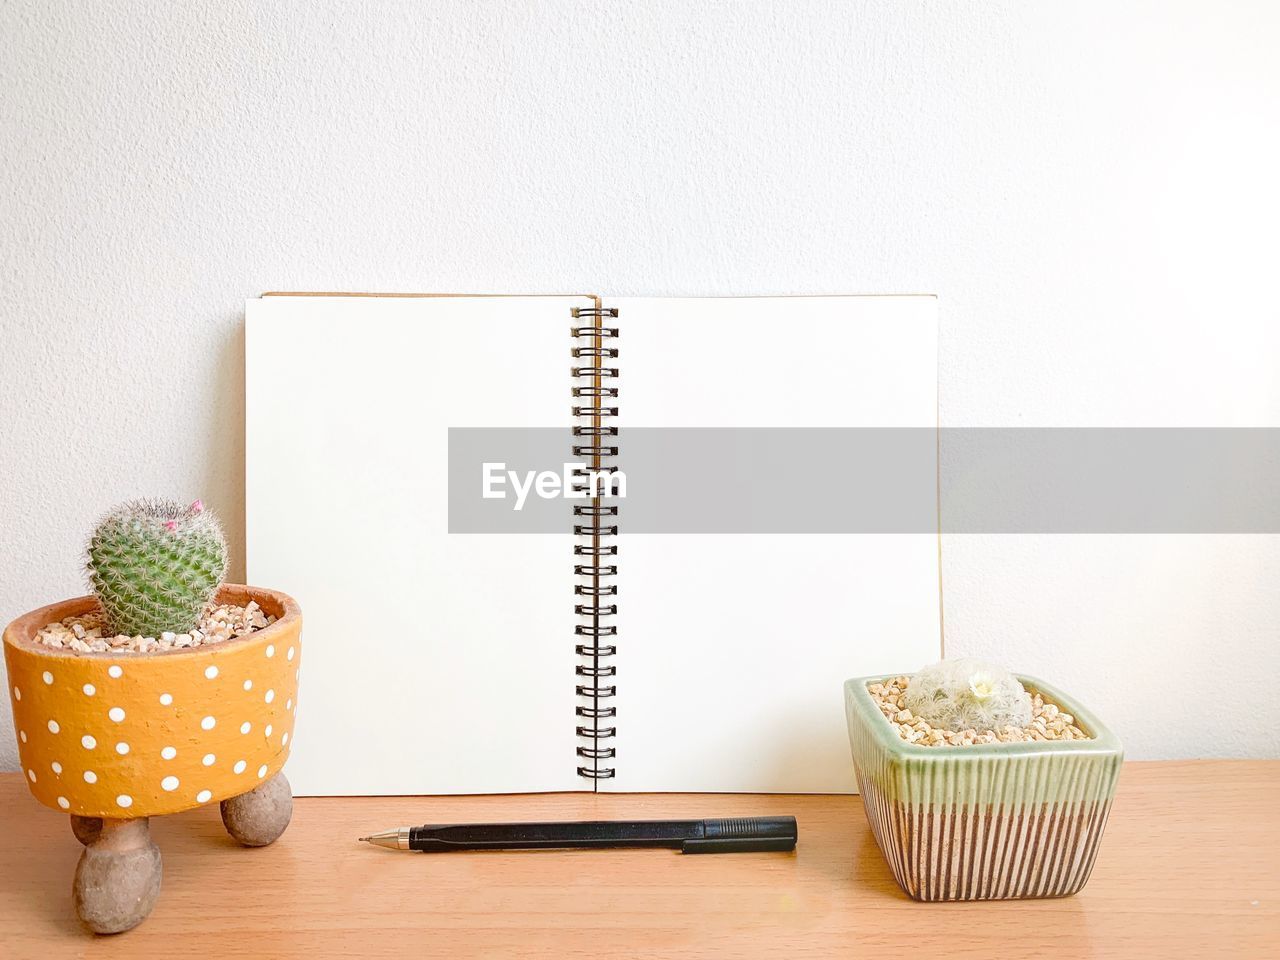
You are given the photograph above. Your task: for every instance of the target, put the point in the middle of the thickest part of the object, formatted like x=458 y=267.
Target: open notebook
x=589 y=655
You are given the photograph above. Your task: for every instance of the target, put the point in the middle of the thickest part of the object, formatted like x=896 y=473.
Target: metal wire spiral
x=594 y=524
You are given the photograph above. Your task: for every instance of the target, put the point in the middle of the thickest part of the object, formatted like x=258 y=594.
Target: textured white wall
x=1090 y=189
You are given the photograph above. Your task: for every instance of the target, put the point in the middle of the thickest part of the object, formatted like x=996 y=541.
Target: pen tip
x=363 y=839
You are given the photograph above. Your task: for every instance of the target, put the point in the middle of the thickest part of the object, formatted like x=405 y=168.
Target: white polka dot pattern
x=154 y=735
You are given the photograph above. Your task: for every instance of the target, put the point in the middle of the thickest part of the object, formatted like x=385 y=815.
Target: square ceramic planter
x=986 y=822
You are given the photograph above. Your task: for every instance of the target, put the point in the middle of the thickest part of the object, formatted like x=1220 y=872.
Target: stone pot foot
x=258 y=817
x=86 y=829
x=118 y=877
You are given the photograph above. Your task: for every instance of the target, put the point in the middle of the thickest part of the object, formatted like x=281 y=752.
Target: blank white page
x=733 y=648
x=431 y=663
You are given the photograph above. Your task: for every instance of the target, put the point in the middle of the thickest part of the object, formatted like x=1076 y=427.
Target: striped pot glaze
x=994 y=821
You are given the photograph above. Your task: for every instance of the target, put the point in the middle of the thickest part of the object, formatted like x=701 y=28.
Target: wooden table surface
x=1189 y=867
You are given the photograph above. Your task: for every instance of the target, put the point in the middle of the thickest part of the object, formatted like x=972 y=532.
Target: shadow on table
x=35 y=894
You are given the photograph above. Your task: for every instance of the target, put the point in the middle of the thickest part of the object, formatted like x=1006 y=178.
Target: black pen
x=729 y=835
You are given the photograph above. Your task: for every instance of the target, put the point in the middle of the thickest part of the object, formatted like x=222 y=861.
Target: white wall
x=1090 y=188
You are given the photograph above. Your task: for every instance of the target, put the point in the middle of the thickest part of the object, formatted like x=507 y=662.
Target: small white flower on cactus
x=982 y=686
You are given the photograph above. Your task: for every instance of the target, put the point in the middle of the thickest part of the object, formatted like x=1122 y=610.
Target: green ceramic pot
x=987 y=822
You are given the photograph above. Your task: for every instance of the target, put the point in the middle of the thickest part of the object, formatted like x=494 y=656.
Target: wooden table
x=1189 y=867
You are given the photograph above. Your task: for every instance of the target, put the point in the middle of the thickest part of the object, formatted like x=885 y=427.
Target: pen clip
x=744 y=835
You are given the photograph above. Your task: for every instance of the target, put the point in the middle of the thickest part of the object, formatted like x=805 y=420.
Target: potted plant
x=981 y=785
x=166 y=689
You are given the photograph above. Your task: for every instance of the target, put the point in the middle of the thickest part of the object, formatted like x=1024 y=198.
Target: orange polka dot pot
x=139 y=735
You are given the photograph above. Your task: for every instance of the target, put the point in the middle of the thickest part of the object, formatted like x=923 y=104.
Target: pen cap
x=744 y=834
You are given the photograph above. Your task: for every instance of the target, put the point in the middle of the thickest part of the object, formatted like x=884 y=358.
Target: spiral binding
x=593 y=523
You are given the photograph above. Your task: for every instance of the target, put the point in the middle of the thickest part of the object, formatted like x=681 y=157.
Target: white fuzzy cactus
x=968 y=695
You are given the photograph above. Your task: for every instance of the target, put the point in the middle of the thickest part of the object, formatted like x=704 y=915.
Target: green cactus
x=155 y=565
x=967 y=695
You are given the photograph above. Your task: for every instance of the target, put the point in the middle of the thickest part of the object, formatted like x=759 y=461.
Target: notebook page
x=431 y=663
x=733 y=647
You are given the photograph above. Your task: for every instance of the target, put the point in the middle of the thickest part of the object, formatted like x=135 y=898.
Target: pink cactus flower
x=171 y=525
x=197 y=506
